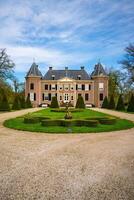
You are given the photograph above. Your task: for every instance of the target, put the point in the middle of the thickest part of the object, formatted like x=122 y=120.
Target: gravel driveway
x=66 y=167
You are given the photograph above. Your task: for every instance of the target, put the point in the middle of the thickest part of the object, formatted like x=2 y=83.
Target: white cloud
x=24 y=55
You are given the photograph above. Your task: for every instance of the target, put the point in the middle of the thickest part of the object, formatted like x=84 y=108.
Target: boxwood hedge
x=67 y=123
x=105 y=120
x=33 y=120
x=64 y=110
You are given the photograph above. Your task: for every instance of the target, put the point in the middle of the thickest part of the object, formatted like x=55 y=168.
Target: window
x=49 y=96
x=71 y=87
x=53 y=77
x=52 y=95
x=66 y=87
x=79 y=94
x=86 y=87
x=46 y=87
x=60 y=87
x=79 y=86
x=101 y=97
x=76 y=87
x=31 y=96
x=66 y=97
x=53 y=87
x=72 y=97
x=31 y=86
x=89 y=87
x=34 y=96
x=43 y=97
x=83 y=87
x=79 y=77
x=86 y=97
x=46 y=96
x=60 y=98
x=49 y=87
x=101 y=86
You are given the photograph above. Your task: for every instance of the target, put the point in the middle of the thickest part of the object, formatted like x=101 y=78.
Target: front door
x=66 y=98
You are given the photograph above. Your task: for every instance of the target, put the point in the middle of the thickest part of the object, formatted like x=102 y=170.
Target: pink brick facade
x=66 y=88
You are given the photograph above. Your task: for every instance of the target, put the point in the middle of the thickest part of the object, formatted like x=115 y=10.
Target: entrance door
x=66 y=98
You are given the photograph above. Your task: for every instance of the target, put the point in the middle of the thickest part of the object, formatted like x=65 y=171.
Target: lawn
x=17 y=123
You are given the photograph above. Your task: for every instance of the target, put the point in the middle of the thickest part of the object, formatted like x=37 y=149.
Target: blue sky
x=63 y=33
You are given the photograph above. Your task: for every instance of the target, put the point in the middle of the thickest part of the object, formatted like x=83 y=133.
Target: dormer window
x=79 y=77
x=53 y=77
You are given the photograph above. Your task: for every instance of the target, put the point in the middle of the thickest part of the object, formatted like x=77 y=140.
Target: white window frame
x=86 y=87
x=53 y=86
x=79 y=86
x=31 y=96
x=101 y=86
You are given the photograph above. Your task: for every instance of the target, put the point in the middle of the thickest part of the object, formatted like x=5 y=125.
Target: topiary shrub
x=54 y=103
x=80 y=102
x=4 y=105
x=105 y=103
x=16 y=103
x=130 y=107
x=120 y=104
x=111 y=103
x=28 y=103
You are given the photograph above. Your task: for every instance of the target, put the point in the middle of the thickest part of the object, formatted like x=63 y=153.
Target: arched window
x=32 y=86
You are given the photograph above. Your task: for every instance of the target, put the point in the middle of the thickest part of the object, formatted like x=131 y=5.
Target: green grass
x=17 y=123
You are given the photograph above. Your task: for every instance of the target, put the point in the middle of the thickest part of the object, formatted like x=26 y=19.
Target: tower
x=100 y=84
x=33 y=85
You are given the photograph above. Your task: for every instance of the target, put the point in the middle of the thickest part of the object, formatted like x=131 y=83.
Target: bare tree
x=128 y=63
x=6 y=65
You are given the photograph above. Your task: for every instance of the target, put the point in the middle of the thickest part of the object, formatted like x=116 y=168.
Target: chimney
x=82 y=67
x=66 y=68
x=50 y=68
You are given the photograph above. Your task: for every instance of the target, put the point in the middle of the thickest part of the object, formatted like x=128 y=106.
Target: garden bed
x=82 y=122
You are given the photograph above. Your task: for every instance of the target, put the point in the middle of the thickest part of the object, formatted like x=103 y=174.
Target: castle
x=66 y=85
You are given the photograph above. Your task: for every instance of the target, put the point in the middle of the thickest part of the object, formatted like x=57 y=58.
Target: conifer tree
x=111 y=103
x=22 y=102
x=4 y=105
x=131 y=104
x=16 y=103
x=80 y=102
x=28 y=103
x=120 y=104
x=105 y=103
x=54 y=103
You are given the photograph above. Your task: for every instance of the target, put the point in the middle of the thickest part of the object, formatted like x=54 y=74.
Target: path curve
x=65 y=167
x=121 y=115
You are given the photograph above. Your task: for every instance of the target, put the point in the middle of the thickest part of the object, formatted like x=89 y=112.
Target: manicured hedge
x=108 y=120
x=34 y=120
x=67 y=123
x=64 y=110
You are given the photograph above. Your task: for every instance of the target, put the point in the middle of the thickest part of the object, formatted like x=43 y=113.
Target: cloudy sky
x=63 y=33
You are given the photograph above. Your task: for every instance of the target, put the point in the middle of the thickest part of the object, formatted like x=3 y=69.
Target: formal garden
x=68 y=120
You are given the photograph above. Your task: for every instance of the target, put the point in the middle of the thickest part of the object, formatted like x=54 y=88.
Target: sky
x=63 y=33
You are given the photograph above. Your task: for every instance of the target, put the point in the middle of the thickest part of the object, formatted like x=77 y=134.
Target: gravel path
x=66 y=167
x=121 y=115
